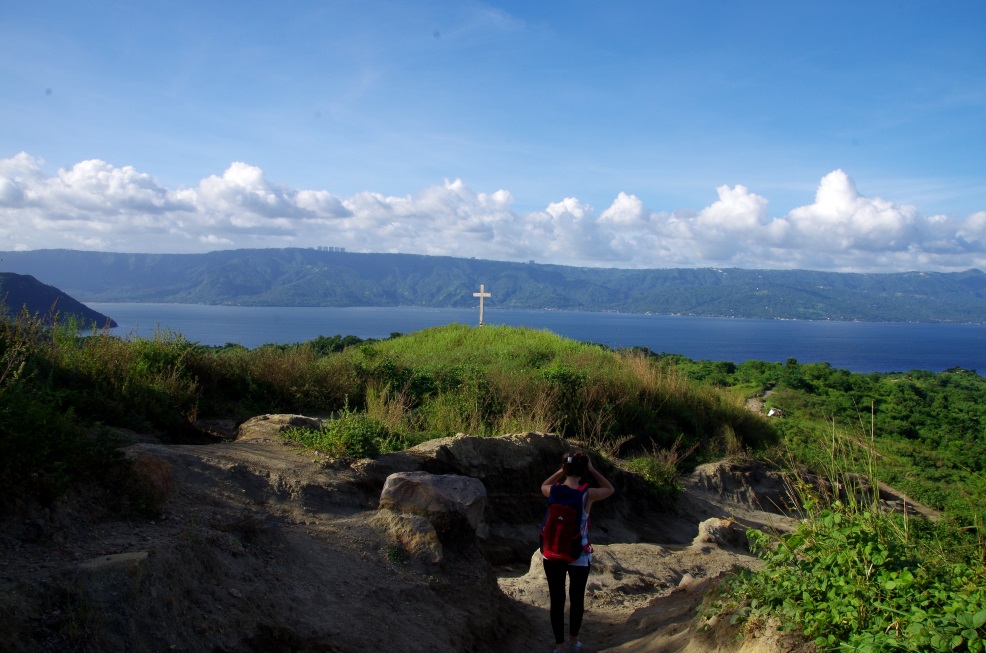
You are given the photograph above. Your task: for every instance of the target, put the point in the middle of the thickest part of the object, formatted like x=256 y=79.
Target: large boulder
x=511 y=467
x=520 y=460
x=453 y=504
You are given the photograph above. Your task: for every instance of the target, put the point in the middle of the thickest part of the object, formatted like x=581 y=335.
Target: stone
x=721 y=532
x=270 y=427
x=223 y=429
x=117 y=561
x=412 y=533
x=443 y=499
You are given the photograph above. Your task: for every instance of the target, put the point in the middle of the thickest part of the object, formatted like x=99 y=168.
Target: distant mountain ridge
x=309 y=277
x=19 y=291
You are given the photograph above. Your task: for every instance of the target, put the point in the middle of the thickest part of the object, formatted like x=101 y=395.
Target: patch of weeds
x=402 y=441
x=396 y=555
x=351 y=433
x=660 y=469
x=78 y=624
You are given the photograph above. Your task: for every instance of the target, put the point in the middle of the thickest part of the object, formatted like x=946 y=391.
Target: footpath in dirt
x=262 y=545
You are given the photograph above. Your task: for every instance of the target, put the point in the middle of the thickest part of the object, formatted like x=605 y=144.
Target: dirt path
x=264 y=547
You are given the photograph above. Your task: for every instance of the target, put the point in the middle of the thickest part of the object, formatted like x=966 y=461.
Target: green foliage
x=855 y=579
x=348 y=434
x=325 y=345
x=852 y=578
x=660 y=469
x=44 y=448
x=929 y=430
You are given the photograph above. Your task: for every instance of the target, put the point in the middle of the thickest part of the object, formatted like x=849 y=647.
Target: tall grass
x=238 y=382
x=495 y=379
x=438 y=382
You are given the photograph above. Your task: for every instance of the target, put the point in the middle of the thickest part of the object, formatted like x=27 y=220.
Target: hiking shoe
x=575 y=648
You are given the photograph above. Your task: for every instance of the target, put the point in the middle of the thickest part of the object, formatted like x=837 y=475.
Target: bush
x=854 y=578
x=349 y=434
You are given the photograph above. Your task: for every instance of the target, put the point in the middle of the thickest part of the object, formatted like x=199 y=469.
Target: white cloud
x=95 y=205
x=973 y=231
x=737 y=210
x=842 y=219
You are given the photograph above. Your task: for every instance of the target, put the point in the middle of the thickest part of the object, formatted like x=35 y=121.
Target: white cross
x=481 y=294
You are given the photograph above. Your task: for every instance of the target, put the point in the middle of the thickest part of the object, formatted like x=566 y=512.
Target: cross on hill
x=481 y=294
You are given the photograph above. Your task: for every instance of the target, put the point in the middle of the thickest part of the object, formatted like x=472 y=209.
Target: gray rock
x=224 y=429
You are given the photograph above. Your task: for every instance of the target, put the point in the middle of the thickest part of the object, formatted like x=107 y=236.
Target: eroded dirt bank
x=262 y=546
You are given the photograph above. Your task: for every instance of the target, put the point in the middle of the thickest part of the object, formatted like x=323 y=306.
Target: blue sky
x=843 y=136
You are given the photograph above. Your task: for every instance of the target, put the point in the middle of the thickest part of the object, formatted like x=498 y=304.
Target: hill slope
x=305 y=277
x=19 y=290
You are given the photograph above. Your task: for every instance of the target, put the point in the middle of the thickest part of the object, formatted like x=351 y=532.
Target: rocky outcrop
x=512 y=468
x=444 y=499
x=747 y=483
x=270 y=427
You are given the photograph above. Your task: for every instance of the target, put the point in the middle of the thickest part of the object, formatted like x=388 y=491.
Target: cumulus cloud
x=841 y=219
x=96 y=205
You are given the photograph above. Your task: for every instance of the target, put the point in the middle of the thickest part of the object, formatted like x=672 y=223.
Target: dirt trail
x=264 y=547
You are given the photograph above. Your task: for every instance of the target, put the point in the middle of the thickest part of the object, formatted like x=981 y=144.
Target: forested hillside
x=309 y=277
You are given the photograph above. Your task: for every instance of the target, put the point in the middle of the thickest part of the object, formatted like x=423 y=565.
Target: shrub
x=351 y=433
x=849 y=581
x=854 y=578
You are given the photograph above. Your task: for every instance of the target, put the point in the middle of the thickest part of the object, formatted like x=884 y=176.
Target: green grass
x=59 y=385
x=498 y=379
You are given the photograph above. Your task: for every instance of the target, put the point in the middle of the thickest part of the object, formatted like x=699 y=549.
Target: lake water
x=855 y=346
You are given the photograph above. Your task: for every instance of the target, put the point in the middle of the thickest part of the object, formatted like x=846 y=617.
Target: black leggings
x=555 y=573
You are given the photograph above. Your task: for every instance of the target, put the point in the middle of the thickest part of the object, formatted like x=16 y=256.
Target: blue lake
x=855 y=346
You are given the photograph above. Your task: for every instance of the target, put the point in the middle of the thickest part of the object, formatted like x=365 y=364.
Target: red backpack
x=561 y=530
